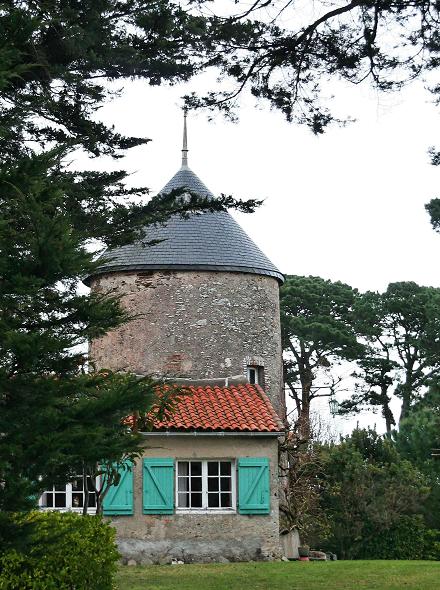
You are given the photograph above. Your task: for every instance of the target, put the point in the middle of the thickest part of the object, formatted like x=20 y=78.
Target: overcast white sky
x=348 y=205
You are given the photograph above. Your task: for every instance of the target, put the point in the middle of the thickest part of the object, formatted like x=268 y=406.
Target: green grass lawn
x=340 y=575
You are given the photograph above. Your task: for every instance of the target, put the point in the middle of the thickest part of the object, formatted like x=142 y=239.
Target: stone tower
x=206 y=301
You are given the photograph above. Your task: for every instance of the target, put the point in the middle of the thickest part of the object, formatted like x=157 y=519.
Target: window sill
x=205 y=511
x=75 y=510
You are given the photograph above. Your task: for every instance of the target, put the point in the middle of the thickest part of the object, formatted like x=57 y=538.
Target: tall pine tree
x=57 y=58
x=317 y=323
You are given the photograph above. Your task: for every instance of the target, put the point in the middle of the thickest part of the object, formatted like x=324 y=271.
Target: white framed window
x=206 y=485
x=68 y=498
x=255 y=375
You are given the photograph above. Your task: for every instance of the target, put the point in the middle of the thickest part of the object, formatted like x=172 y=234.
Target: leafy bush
x=432 y=544
x=68 y=552
x=408 y=538
x=374 y=501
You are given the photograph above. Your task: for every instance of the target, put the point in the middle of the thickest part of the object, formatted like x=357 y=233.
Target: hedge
x=409 y=538
x=68 y=552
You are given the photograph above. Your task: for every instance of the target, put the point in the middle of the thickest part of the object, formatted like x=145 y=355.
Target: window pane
x=183 y=500
x=226 y=500
x=60 y=500
x=77 y=485
x=213 y=501
x=92 y=500
x=225 y=484
x=196 y=468
x=212 y=484
x=252 y=376
x=183 y=468
x=49 y=500
x=196 y=484
x=225 y=468
x=213 y=468
x=182 y=484
x=77 y=500
x=196 y=500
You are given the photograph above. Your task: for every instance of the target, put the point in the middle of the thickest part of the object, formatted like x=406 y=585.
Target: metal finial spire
x=185 y=141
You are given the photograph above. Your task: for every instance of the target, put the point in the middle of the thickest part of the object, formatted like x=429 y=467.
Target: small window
x=255 y=375
x=205 y=485
x=68 y=497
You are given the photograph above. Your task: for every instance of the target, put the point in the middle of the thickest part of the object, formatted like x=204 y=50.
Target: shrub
x=374 y=500
x=432 y=544
x=68 y=552
x=406 y=539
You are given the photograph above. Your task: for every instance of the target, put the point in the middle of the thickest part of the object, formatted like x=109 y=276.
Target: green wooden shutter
x=253 y=486
x=119 y=499
x=158 y=488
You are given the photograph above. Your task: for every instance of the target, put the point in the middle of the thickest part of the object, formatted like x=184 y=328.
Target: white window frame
x=68 y=490
x=205 y=509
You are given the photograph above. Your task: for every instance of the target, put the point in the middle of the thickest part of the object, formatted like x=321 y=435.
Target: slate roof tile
x=207 y=241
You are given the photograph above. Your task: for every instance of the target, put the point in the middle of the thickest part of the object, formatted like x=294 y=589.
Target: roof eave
x=222 y=433
x=199 y=267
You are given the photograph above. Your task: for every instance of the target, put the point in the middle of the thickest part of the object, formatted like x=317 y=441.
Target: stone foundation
x=215 y=551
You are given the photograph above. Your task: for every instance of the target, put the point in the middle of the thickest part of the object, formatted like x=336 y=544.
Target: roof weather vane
x=185 y=141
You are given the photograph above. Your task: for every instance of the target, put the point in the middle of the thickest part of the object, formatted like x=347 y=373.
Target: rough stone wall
x=201 y=537
x=195 y=325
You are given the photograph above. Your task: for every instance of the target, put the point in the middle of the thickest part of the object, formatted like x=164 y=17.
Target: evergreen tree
x=376 y=373
x=401 y=327
x=374 y=500
x=60 y=55
x=49 y=399
x=318 y=332
x=289 y=54
x=58 y=58
x=278 y=50
x=416 y=438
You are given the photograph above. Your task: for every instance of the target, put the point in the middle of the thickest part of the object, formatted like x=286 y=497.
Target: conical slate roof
x=211 y=241
x=186 y=178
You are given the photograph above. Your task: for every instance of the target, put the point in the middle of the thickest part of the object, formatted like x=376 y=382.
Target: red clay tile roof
x=243 y=408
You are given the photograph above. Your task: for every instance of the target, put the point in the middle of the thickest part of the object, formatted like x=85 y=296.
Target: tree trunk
x=386 y=410
x=405 y=411
x=304 y=418
x=101 y=493
x=406 y=401
x=407 y=390
x=86 y=491
x=99 y=506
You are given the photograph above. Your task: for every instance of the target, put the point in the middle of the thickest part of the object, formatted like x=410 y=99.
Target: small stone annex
x=207 y=486
x=205 y=302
